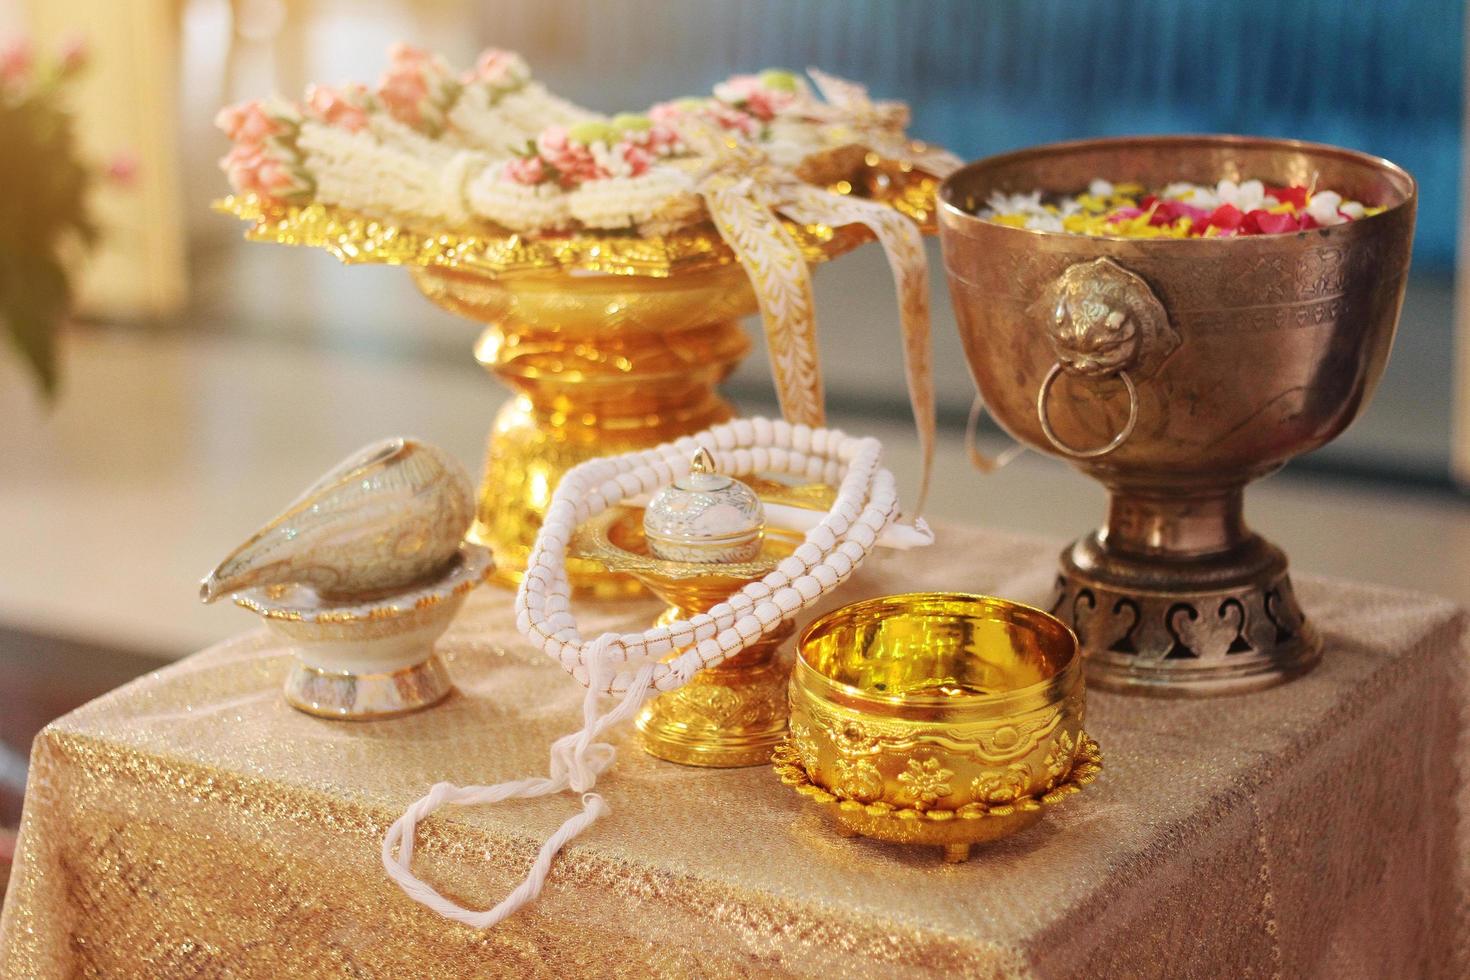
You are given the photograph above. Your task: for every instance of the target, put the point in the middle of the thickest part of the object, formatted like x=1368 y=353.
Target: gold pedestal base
x=599 y=364
x=726 y=717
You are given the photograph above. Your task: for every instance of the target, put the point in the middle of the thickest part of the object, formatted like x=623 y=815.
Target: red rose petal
x=1226 y=217
x=1295 y=196
x=1267 y=223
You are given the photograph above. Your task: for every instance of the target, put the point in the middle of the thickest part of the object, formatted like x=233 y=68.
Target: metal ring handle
x=1114 y=443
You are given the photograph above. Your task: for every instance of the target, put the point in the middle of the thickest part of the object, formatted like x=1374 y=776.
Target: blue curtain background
x=990 y=75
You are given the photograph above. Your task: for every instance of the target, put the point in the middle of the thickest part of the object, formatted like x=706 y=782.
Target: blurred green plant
x=45 y=222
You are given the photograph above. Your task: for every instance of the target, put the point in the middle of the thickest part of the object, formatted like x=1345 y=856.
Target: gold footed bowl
x=728 y=716
x=1176 y=371
x=937 y=718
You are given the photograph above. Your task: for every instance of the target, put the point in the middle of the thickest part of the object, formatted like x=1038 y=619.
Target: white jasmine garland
x=622 y=202
x=502 y=122
x=405 y=138
x=356 y=171
x=519 y=207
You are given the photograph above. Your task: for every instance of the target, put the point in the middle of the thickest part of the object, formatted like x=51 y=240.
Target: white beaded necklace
x=630 y=664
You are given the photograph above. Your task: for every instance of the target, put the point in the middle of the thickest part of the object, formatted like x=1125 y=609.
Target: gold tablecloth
x=190 y=824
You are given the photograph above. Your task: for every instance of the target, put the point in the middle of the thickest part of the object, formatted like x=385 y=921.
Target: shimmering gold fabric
x=190 y=824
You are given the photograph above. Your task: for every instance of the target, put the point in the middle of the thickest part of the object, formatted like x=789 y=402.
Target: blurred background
x=204 y=381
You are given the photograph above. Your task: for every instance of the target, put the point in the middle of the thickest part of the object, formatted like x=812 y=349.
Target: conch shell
x=389 y=517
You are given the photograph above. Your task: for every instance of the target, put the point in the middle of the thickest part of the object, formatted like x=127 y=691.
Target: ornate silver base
x=1220 y=624
x=368 y=697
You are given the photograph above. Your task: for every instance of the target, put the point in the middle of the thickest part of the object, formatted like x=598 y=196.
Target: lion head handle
x=1102 y=319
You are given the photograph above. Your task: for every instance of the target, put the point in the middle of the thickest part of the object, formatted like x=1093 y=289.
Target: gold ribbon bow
x=877 y=126
x=745 y=192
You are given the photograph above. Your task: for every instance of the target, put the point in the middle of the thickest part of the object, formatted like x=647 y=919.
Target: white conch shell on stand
x=390 y=516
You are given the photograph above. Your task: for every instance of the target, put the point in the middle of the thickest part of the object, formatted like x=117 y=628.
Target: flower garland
x=541 y=164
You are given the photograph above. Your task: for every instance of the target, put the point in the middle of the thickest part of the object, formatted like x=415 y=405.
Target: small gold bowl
x=937 y=718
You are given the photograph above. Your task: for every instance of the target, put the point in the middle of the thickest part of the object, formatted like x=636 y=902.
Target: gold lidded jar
x=940 y=718
x=705 y=517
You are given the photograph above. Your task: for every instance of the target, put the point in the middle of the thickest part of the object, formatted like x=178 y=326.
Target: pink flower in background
x=342 y=108
x=16 y=61
x=123 y=168
x=74 y=54
x=525 y=170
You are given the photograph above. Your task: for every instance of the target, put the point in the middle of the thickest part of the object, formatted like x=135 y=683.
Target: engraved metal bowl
x=1234 y=355
x=938 y=718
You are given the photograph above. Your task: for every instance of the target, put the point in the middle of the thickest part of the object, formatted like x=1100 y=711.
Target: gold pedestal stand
x=599 y=365
x=727 y=716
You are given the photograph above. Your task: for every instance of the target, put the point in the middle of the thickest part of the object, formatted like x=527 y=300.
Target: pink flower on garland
x=263 y=160
x=403 y=91
x=525 y=170
x=660 y=140
x=497 y=68
x=345 y=108
x=416 y=88
x=572 y=160
x=637 y=158
x=726 y=117
x=247 y=122
x=750 y=93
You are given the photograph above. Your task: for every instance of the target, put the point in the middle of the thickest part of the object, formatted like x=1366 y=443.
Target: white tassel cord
x=866 y=506
x=576 y=762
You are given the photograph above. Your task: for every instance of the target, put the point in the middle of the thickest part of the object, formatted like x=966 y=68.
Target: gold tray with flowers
x=356 y=238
